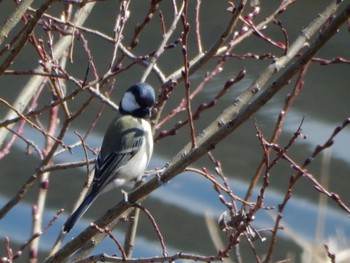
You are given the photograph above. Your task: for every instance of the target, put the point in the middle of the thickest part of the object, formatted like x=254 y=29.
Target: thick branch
x=13 y=19
x=226 y=123
x=33 y=84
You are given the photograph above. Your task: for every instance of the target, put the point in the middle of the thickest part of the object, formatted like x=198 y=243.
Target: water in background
x=180 y=206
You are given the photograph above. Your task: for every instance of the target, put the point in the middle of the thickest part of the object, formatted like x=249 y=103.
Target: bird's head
x=138 y=100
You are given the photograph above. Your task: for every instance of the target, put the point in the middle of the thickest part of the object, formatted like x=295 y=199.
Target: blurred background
x=182 y=206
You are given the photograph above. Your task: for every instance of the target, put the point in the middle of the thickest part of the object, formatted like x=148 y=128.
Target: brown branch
x=31 y=180
x=36 y=236
x=172 y=258
x=227 y=122
x=162 y=45
x=139 y=28
x=185 y=74
x=109 y=233
x=13 y=19
x=31 y=88
x=278 y=130
x=32 y=124
x=24 y=37
x=39 y=207
x=155 y=226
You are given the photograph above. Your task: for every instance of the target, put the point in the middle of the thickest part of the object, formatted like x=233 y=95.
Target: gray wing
x=109 y=162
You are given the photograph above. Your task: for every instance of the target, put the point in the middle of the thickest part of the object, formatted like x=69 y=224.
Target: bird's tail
x=73 y=218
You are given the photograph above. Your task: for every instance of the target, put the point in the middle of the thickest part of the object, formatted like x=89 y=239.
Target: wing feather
x=125 y=145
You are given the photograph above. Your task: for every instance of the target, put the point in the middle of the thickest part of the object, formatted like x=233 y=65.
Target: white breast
x=136 y=166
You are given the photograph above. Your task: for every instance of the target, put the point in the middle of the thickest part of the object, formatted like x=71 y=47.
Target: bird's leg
x=126 y=196
x=157 y=173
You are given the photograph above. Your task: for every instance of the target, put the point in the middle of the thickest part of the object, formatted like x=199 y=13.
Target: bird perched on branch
x=126 y=149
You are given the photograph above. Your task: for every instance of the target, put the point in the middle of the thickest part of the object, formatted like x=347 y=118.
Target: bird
x=126 y=149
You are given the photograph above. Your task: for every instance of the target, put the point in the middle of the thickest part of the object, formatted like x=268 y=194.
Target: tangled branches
x=168 y=40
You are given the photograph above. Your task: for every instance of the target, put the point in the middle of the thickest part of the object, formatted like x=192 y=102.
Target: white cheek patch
x=129 y=103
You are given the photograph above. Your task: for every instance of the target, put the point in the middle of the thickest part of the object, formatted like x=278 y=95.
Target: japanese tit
x=126 y=149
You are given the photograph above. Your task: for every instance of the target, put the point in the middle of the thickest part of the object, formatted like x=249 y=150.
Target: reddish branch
x=221 y=52
x=301 y=172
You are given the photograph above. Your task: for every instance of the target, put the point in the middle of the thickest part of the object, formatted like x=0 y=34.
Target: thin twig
x=278 y=129
x=162 y=45
x=186 y=76
x=303 y=172
x=228 y=121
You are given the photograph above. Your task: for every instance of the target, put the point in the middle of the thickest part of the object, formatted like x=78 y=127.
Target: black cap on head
x=138 y=100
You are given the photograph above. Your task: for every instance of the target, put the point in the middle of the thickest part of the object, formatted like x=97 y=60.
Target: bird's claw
x=126 y=196
x=157 y=173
